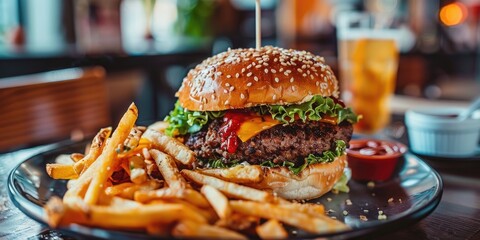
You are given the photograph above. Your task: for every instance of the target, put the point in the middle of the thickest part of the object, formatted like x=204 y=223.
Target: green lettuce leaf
x=341 y=185
x=182 y=121
x=328 y=156
x=313 y=110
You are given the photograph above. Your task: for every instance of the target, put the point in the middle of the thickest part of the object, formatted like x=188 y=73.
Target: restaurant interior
x=145 y=48
x=71 y=67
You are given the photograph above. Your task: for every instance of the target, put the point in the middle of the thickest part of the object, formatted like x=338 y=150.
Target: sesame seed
x=311 y=76
x=274 y=96
x=255 y=78
x=218 y=73
x=242 y=96
x=249 y=84
x=227 y=102
x=253 y=63
x=258 y=66
x=345 y=212
x=227 y=84
x=266 y=70
x=390 y=200
x=304 y=66
x=225 y=90
x=243 y=70
x=293 y=88
x=232 y=88
x=265 y=64
x=249 y=74
x=304 y=75
x=291 y=80
x=228 y=76
x=277 y=80
x=273 y=70
x=299 y=70
x=237 y=75
x=281 y=70
x=317 y=83
x=348 y=202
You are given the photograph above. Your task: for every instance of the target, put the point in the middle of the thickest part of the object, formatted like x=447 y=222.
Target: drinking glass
x=368 y=62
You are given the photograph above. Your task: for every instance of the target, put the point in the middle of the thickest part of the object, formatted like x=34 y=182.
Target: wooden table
x=456 y=217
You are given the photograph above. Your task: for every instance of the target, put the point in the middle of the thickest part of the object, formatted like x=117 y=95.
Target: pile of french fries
x=138 y=179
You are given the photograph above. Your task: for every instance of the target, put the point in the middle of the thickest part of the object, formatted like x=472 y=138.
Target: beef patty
x=292 y=142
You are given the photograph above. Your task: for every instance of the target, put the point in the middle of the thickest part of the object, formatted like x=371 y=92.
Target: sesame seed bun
x=312 y=182
x=242 y=78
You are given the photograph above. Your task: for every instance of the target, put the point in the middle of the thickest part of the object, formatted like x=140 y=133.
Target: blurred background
x=113 y=52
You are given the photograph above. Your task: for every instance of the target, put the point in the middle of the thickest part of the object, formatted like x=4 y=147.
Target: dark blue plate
x=413 y=193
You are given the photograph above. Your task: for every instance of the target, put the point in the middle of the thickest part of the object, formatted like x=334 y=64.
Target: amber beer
x=368 y=68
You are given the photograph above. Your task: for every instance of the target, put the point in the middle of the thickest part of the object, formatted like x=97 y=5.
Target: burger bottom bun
x=314 y=181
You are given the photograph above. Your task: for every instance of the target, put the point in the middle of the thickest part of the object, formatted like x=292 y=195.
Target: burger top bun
x=242 y=78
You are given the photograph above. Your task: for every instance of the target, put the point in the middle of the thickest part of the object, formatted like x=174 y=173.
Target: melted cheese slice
x=254 y=125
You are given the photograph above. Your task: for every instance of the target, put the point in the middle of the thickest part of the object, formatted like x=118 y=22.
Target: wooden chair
x=52 y=106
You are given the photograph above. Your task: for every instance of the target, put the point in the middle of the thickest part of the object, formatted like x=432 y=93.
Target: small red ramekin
x=373 y=167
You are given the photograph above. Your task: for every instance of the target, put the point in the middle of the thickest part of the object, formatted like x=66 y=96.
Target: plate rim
x=80 y=230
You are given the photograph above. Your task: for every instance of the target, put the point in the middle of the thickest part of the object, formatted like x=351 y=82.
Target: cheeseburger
x=273 y=107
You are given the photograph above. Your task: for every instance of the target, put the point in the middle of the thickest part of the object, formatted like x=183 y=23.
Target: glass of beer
x=368 y=62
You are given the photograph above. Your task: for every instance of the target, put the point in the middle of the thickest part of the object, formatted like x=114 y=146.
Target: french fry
x=129 y=192
x=132 y=140
x=169 y=145
x=94 y=151
x=314 y=210
x=158 y=229
x=168 y=169
x=100 y=168
x=207 y=213
x=238 y=222
x=64 y=159
x=318 y=224
x=61 y=171
x=107 y=158
x=159 y=126
x=230 y=189
x=238 y=174
x=271 y=229
x=138 y=174
x=189 y=229
x=189 y=195
x=118 y=189
x=54 y=210
x=130 y=217
x=76 y=157
x=218 y=201
x=119 y=202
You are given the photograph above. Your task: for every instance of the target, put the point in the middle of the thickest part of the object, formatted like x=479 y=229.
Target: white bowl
x=432 y=133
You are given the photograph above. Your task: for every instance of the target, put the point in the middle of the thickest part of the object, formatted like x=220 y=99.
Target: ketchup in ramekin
x=372 y=159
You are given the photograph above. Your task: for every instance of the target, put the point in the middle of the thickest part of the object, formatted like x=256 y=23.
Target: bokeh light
x=453 y=14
